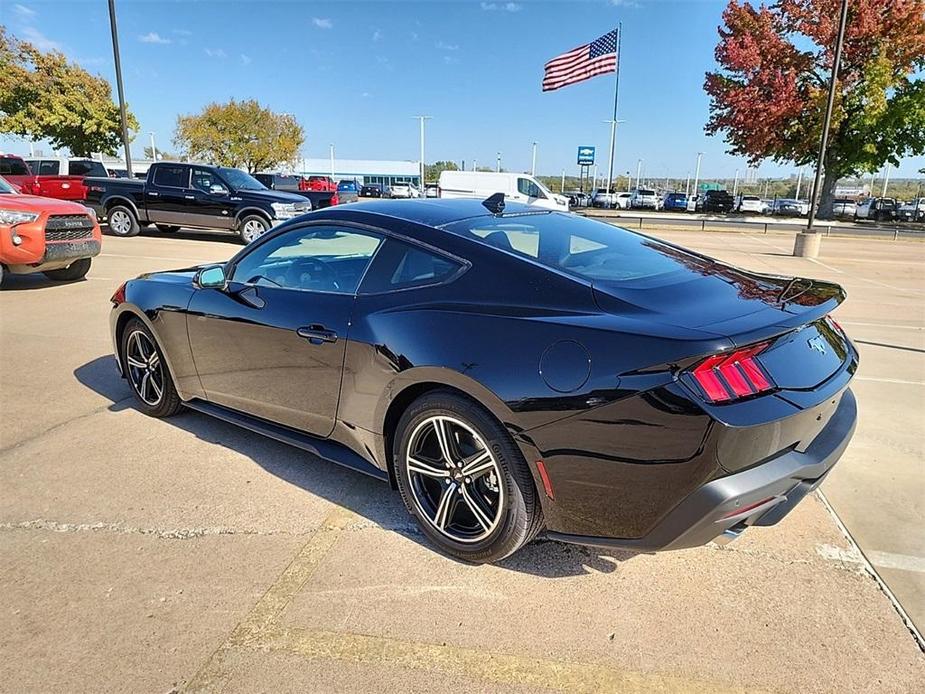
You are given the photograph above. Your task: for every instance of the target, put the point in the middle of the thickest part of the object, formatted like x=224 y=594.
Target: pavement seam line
x=212 y=674
x=499 y=668
x=869 y=568
x=123 y=529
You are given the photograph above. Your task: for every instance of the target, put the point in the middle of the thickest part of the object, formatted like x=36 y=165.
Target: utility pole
x=475 y=164
x=153 y=148
x=886 y=180
x=735 y=184
x=562 y=185
x=800 y=181
x=806 y=243
x=118 y=61
x=638 y=170
x=499 y=162
x=533 y=167
x=422 y=119
x=697 y=175
x=332 y=160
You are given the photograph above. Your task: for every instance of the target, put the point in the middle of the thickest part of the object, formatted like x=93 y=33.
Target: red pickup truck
x=17 y=173
x=63 y=178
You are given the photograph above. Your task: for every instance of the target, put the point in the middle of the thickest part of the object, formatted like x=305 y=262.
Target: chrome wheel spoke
x=444 y=440
x=143 y=388
x=446 y=507
x=481 y=516
x=426 y=468
x=479 y=465
x=135 y=363
x=157 y=389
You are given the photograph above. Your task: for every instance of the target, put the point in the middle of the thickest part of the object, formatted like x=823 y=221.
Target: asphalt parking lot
x=187 y=554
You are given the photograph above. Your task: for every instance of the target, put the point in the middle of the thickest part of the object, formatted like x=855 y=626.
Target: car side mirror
x=212 y=277
x=218 y=190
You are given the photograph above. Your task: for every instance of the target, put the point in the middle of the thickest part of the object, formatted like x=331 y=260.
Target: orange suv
x=55 y=237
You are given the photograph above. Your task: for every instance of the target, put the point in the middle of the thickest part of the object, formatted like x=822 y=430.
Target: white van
x=516 y=187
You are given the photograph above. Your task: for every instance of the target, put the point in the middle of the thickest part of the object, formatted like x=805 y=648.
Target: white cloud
x=153 y=37
x=366 y=95
x=501 y=6
x=39 y=40
x=24 y=12
x=322 y=22
x=446 y=46
x=246 y=59
x=377 y=35
x=215 y=53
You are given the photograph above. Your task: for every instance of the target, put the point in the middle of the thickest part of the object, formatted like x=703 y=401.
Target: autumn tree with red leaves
x=769 y=96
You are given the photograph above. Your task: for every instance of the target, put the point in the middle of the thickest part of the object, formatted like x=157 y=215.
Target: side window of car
x=315 y=258
x=400 y=265
x=206 y=181
x=527 y=187
x=47 y=167
x=171 y=176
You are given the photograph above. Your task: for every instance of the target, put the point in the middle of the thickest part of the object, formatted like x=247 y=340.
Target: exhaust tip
x=730 y=534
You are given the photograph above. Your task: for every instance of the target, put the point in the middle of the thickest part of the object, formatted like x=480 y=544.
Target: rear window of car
x=45 y=167
x=577 y=245
x=400 y=265
x=751 y=198
x=171 y=176
x=647 y=192
x=13 y=167
x=86 y=167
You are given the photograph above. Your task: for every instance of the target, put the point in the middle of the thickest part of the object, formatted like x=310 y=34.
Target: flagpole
x=613 y=123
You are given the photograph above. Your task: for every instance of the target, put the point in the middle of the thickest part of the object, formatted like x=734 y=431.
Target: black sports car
x=510 y=370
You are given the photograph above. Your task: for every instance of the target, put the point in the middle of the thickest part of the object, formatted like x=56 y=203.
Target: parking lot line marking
x=889 y=380
x=882 y=325
x=213 y=674
x=833 y=269
x=891 y=560
x=499 y=668
x=154 y=257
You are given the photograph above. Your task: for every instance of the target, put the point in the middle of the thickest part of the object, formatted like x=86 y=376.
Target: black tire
x=122 y=221
x=247 y=228
x=517 y=516
x=167 y=228
x=2 y=274
x=75 y=271
x=166 y=403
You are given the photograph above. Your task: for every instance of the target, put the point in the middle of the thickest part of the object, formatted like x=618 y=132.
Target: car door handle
x=317 y=334
x=190 y=197
x=152 y=194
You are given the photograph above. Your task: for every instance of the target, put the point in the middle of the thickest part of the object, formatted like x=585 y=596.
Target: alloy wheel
x=120 y=222
x=252 y=230
x=455 y=479
x=145 y=370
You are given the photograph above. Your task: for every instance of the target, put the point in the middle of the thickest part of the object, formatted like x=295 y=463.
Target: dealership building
x=364 y=170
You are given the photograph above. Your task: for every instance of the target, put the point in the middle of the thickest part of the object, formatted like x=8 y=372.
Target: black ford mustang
x=509 y=370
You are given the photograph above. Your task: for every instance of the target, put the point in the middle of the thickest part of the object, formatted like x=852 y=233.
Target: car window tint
x=328 y=259
x=171 y=176
x=519 y=238
x=401 y=265
x=203 y=179
x=13 y=167
x=84 y=167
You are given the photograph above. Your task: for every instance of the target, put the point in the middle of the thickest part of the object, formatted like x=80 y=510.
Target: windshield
x=5 y=188
x=576 y=245
x=240 y=180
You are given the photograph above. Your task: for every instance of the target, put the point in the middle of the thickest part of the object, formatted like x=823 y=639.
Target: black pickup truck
x=176 y=195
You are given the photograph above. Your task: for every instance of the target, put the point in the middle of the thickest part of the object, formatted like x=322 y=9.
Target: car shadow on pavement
x=349 y=489
x=37 y=280
x=191 y=234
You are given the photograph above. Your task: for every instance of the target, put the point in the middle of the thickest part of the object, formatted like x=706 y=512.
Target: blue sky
x=354 y=74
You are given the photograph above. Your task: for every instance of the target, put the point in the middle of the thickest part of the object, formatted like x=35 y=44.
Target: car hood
x=35 y=203
x=709 y=296
x=269 y=196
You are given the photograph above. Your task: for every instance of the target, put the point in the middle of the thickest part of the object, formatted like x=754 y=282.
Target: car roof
x=432 y=212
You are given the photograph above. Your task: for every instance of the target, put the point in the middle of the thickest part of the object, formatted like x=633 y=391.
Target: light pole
x=499 y=162
x=638 y=172
x=422 y=118
x=533 y=166
x=614 y=122
x=735 y=184
x=118 y=61
x=806 y=243
x=697 y=174
x=153 y=147
x=475 y=164
x=332 y=160
x=886 y=180
x=562 y=185
x=687 y=186
x=800 y=181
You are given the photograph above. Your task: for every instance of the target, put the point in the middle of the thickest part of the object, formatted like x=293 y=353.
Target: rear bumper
x=765 y=493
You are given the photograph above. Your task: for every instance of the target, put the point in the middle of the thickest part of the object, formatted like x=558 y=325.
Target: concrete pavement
x=148 y=555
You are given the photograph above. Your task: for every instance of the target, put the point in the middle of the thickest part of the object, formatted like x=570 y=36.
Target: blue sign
x=586 y=156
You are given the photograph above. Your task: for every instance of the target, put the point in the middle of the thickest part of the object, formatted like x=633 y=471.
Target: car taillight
x=727 y=377
x=335 y=200
x=119 y=296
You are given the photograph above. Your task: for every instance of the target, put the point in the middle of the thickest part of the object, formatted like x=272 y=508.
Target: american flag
x=582 y=63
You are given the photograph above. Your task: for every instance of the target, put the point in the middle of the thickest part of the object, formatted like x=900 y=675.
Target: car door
x=211 y=205
x=272 y=343
x=166 y=195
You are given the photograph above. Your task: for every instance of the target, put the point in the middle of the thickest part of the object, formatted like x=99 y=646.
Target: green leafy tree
x=240 y=133
x=43 y=96
x=769 y=96
x=432 y=171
